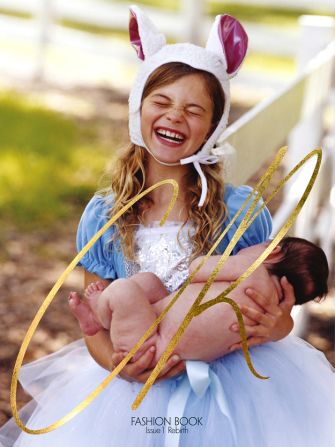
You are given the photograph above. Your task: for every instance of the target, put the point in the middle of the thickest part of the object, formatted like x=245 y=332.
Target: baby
x=127 y=307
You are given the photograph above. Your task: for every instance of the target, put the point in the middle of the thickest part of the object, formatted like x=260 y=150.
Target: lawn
x=49 y=163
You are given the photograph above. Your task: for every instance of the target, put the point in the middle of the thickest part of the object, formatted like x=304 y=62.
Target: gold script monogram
x=197 y=308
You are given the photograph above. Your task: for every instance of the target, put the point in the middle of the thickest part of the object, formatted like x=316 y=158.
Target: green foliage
x=48 y=164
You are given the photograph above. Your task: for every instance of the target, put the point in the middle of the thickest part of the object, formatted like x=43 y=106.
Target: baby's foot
x=84 y=315
x=92 y=294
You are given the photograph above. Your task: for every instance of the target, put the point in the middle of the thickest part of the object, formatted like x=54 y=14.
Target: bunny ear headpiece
x=225 y=50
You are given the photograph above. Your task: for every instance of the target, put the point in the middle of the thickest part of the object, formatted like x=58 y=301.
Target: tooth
x=167 y=134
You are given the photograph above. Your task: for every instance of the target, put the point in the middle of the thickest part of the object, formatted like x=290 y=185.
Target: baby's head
x=305 y=266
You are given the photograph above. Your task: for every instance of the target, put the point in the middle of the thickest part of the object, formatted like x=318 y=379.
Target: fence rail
x=265 y=127
x=184 y=25
x=321 y=5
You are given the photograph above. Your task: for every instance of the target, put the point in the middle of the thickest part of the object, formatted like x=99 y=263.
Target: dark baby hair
x=305 y=266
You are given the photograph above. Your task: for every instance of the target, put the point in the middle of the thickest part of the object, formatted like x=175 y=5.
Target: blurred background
x=66 y=68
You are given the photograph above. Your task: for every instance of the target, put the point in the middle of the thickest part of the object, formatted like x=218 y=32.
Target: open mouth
x=170 y=136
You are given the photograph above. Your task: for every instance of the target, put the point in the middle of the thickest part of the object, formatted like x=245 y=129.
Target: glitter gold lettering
x=196 y=308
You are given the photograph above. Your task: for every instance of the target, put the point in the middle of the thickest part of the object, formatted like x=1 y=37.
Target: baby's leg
x=152 y=286
x=131 y=313
x=84 y=314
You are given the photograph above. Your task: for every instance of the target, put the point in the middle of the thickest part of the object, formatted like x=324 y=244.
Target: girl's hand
x=140 y=370
x=272 y=324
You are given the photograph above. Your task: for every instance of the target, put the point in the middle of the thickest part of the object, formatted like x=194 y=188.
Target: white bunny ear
x=228 y=36
x=144 y=36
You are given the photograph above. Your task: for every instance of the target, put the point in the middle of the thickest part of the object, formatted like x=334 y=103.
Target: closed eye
x=161 y=104
x=193 y=112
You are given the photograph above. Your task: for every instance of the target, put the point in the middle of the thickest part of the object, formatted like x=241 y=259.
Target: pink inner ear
x=234 y=40
x=135 y=35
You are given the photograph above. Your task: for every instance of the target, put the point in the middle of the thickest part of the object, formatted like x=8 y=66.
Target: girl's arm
x=101 y=349
x=232 y=269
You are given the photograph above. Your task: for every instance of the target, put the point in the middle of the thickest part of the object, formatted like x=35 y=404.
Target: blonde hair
x=128 y=177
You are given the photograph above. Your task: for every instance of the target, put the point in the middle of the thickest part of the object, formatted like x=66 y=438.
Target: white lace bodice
x=157 y=250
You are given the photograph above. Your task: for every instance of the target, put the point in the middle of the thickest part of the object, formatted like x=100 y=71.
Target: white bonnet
x=224 y=52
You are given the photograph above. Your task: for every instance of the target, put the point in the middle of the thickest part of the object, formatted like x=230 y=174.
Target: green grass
x=261 y=14
x=19 y=15
x=48 y=164
x=169 y=5
x=98 y=30
x=256 y=14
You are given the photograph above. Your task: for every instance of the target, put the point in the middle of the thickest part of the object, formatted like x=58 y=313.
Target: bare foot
x=82 y=311
x=92 y=294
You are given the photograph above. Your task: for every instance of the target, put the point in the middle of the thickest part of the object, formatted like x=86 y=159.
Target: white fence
x=44 y=31
x=296 y=114
x=190 y=23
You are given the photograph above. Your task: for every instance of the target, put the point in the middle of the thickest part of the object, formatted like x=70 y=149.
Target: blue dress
x=217 y=404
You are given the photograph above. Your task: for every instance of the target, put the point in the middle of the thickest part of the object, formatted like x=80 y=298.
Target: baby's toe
x=100 y=286
x=90 y=289
x=74 y=299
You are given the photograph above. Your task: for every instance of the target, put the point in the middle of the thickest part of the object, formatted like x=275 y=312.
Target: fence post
x=316 y=33
x=192 y=12
x=325 y=227
x=44 y=19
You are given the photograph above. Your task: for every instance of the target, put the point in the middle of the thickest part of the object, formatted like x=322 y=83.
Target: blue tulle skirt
x=223 y=405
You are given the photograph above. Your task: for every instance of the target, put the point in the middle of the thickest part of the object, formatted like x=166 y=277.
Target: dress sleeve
x=99 y=259
x=259 y=231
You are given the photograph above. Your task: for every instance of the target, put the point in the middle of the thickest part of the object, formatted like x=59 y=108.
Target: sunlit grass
x=251 y=13
x=48 y=164
x=172 y=5
x=95 y=29
x=19 y=15
x=261 y=14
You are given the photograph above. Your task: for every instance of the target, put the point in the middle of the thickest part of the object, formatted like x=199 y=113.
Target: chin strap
x=196 y=160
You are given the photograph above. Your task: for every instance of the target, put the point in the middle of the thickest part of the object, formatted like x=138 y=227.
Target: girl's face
x=176 y=118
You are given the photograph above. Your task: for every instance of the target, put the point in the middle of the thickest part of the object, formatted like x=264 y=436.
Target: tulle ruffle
x=294 y=408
